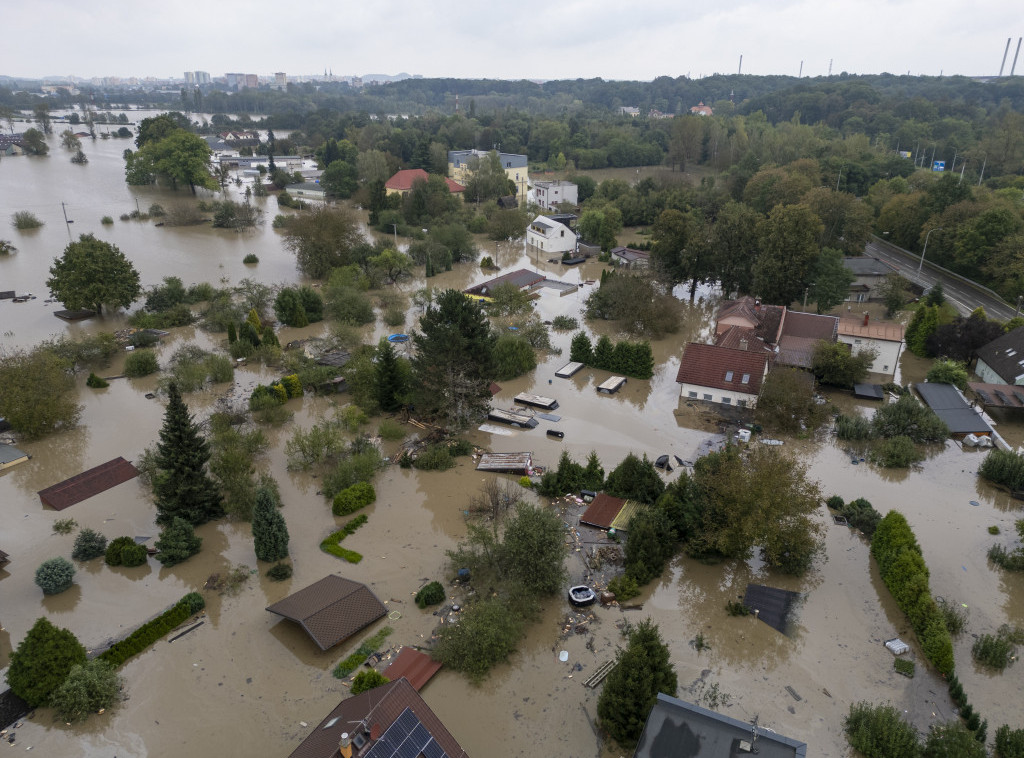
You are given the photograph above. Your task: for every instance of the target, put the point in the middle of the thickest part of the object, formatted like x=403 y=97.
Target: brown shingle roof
x=331 y=609
x=764 y=319
x=800 y=333
x=372 y=713
x=708 y=366
x=413 y=665
x=854 y=327
x=88 y=483
x=602 y=512
x=735 y=335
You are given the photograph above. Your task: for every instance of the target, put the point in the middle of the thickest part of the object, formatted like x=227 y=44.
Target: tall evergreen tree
x=391 y=385
x=42 y=661
x=181 y=486
x=269 y=530
x=454 y=362
x=632 y=687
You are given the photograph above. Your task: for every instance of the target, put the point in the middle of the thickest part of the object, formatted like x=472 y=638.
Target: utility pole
x=925 y=250
x=1005 y=53
x=66 y=222
x=982 y=174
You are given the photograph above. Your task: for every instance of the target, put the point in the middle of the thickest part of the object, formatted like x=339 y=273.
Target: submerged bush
x=141 y=363
x=879 y=731
x=55 y=575
x=89 y=544
x=90 y=687
x=431 y=594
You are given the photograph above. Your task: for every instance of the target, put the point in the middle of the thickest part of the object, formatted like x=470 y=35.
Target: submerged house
x=1001 y=361
x=885 y=339
x=390 y=721
x=550 y=236
x=721 y=375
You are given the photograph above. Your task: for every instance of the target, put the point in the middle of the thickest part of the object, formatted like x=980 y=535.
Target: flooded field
x=242 y=683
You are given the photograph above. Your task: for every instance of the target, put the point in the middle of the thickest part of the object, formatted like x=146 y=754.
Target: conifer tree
x=269 y=530
x=42 y=661
x=581 y=350
x=391 y=385
x=178 y=542
x=632 y=687
x=182 y=487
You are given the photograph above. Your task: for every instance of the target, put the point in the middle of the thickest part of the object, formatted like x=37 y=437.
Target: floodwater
x=244 y=681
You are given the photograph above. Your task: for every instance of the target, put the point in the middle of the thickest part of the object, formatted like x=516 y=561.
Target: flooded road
x=244 y=681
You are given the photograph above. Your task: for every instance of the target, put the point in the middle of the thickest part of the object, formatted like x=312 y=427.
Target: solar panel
x=1002 y=398
x=984 y=397
x=406 y=738
x=1019 y=396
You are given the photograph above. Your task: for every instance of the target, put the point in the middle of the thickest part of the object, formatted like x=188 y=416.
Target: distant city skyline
x=528 y=40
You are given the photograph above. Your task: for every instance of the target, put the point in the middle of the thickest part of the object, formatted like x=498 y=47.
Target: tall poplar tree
x=182 y=487
x=392 y=379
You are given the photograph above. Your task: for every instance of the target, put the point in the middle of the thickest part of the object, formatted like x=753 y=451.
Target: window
x=745 y=379
x=741 y=403
x=707 y=395
x=728 y=376
x=856 y=342
x=692 y=395
x=726 y=400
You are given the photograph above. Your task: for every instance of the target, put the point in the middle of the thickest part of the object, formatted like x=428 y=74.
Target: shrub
x=513 y=357
x=64 y=526
x=853 y=428
x=434 y=458
x=1003 y=467
x=55 y=575
x=525 y=482
x=903 y=666
x=878 y=731
x=389 y=429
x=366 y=648
x=151 y=631
x=487 y=634
x=292 y=385
x=903 y=570
x=358 y=467
x=896 y=452
x=141 y=363
x=124 y=552
x=89 y=687
x=907 y=417
x=367 y=680
x=734 y=608
x=1009 y=742
x=835 y=502
x=269 y=530
x=106 y=220
x=351 y=499
x=624 y=587
x=955 y=618
x=948 y=372
x=177 y=543
x=564 y=323
x=43 y=660
x=26 y=220
x=330 y=543
x=280 y=571
x=88 y=545
x=954 y=740
x=251 y=258
x=96 y=382
x=992 y=650
x=431 y=594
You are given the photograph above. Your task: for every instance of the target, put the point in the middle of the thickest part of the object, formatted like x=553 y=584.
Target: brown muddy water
x=244 y=682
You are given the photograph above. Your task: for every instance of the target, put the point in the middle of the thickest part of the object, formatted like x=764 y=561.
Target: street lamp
x=925 y=250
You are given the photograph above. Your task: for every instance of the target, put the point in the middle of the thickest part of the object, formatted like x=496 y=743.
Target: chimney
x=866 y=317
x=743 y=343
x=345 y=746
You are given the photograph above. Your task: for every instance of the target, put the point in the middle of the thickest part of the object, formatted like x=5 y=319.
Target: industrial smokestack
x=1005 y=53
x=800 y=75
x=741 y=65
x=1014 y=66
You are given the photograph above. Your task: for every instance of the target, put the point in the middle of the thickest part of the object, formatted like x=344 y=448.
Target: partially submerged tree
x=630 y=691
x=323 y=239
x=42 y=662
x=177 y=542
x=181 y=485
x=38 y=392
x=269 y=531
x=93 y=273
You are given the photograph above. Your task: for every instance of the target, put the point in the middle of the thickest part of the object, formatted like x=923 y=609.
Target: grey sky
x=613 y=39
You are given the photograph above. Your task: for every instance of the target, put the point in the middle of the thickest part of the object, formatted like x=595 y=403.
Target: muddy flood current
x=247 y=682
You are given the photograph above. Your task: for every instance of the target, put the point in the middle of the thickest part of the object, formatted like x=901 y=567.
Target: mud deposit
x=242 y=683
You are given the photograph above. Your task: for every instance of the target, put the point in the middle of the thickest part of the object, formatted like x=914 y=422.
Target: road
x=962 y=296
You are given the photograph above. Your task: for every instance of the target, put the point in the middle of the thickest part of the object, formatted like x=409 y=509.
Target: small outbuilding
x=331 y=610
x=92 y=482
x=11 y=456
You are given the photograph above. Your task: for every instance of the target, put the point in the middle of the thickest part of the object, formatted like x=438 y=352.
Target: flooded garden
x=247 y=682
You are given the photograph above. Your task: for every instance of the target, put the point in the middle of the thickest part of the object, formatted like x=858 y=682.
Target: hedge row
x=351 y=499
x=153 y=630
x=364 y=651
x=905 y=574
x=330 y=544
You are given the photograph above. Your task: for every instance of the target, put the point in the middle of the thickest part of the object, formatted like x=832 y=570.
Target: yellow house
x=515 y=168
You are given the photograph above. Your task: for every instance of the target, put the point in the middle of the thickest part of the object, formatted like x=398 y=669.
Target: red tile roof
x=735 y=335
x=331 y=610
x=413 y=665
x=602 y=511
x=800 y=333
x=854 y=327
x=92 y=482
x=764 y=319
x=404 y=179
x=369 y=714
x=708 y=366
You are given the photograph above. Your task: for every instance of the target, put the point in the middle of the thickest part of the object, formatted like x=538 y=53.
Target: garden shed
x=331 y=610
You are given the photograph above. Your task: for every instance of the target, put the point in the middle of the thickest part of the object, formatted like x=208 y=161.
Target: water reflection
x=64 y=602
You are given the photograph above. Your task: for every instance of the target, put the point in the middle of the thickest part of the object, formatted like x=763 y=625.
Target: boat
x=581 y=595
x=661 y=462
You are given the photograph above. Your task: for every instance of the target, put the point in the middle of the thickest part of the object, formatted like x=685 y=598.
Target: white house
x=308 y=191
x=550 y=236
x=1001 y=361
x=885 y=339
x=549 y=195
